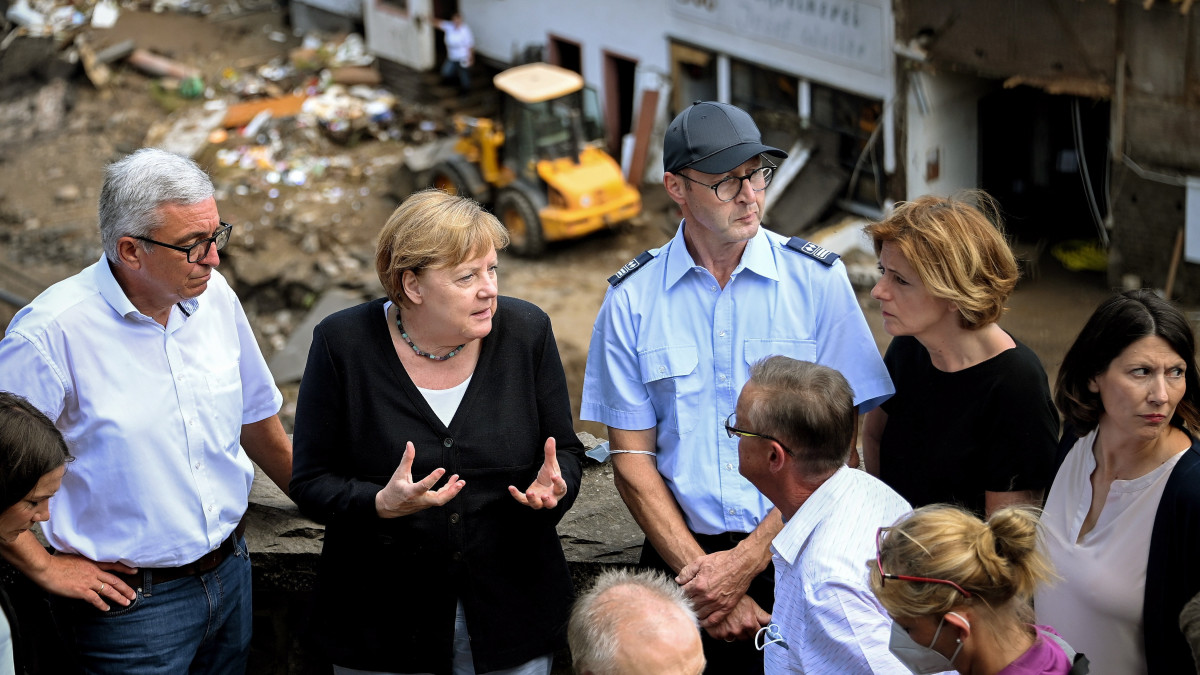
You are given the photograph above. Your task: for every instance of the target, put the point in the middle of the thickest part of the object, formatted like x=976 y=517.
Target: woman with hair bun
x=958 y=590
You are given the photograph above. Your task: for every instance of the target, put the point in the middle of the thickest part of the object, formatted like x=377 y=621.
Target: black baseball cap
x=712 y=137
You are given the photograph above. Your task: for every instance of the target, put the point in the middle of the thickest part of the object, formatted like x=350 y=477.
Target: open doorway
x=566 y=54
x=443 y=10
x=619 y=74
x=1044 y=158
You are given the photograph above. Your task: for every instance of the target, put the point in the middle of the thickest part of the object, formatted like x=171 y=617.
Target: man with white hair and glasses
x=146 y=363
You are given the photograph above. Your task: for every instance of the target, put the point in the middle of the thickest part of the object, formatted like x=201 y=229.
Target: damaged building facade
x=817 y=74
x=1081 y=116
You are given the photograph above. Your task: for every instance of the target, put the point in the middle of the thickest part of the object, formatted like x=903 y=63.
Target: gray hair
x=809 y=407
x=136 y=186
x=593 y=632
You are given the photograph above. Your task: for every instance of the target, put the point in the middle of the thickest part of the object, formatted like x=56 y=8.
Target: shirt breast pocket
x=225 y=402
x=671 y=377
x=802 y=350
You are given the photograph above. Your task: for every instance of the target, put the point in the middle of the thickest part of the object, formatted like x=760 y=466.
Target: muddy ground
x=291 y=243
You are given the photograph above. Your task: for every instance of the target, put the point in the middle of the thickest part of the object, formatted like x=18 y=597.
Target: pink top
x=1045 y=657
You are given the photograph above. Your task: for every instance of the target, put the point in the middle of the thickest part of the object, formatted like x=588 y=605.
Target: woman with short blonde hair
x=957 y=249
x=432 y=229
x=419 y=416
x=972 y=422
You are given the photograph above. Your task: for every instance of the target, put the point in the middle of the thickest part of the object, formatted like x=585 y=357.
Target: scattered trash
x=1080 y=255
x=188 y=131
x=105 y=14
x=256 y=123
x=284 y=106
x=350 y=75
x=191 y=87
x=160 y=66
x=23 y=15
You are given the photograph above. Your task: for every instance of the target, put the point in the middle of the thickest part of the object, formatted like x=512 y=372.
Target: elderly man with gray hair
x=147 y=365
x=795 y=423
x=635 y=623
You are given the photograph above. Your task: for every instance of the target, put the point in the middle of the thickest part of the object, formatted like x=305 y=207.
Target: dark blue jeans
x=452 y=69
x=199 y=624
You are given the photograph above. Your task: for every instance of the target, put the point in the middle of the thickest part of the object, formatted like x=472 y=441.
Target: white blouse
x=445 y=402
x=1096 y=605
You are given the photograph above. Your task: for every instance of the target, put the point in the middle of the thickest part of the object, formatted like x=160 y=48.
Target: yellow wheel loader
x=540 y=167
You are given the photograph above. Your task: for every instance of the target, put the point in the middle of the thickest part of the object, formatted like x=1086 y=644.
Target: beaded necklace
x=404 y=334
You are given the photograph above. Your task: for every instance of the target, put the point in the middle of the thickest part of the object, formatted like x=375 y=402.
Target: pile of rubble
x=302 y=144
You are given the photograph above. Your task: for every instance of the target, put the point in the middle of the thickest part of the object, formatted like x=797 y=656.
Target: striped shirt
x=824 y=608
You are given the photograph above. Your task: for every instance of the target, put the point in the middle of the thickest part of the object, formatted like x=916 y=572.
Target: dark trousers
x=724 y=658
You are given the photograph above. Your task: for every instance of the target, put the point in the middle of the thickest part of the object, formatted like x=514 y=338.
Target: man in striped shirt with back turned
x=795 y=424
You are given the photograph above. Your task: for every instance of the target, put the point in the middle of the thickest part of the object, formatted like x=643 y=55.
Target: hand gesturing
x=548 y=487
x=401 y=496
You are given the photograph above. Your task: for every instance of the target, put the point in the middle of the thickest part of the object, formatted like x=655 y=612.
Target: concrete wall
x=1053 y=39
x=941 y=126
x=1145 y=60
x=1145 y=250
x=402 y=36
x=842 y=43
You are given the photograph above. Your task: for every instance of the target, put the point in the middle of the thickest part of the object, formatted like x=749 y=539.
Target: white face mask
x=919 y=659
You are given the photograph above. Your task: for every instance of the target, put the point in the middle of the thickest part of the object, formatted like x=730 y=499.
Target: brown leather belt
x=206 y=563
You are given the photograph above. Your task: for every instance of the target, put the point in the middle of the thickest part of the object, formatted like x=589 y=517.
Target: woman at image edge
x=972 y=422
x=1122 y=520
x=444 y=377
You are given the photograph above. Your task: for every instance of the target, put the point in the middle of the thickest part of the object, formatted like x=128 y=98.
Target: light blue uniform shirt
x=671 y=350
x=153 y=415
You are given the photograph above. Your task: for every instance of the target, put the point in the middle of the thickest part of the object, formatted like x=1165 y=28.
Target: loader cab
x=548 y=114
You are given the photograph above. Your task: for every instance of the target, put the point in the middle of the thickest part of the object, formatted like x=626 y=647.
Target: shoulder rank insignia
x=818 y=253
x=632 y=266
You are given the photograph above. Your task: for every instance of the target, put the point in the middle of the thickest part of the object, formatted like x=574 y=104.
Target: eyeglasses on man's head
x=727 y=188
x=199 y=250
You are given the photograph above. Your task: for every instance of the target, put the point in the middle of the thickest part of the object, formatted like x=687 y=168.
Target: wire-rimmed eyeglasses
x=199 y=250
x=901 y=577
x=727 y=188
x=732 y=430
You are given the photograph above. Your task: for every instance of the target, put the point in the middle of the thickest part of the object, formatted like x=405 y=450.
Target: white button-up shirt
x=153 y=415
x=671 y=350
x=824 y=607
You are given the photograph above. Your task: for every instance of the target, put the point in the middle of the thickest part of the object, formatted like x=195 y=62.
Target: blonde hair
x=997 y=562
x=957 y=249
x=433 y=230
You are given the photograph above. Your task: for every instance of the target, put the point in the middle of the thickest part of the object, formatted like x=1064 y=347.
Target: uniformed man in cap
x=672 y=347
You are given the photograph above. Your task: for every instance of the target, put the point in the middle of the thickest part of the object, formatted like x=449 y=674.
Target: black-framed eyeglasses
x=732 y=430
x=199 y=250
x=727 y=188
x=901 y=577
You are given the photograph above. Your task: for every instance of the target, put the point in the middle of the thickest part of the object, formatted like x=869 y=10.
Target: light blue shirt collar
x=758 y=257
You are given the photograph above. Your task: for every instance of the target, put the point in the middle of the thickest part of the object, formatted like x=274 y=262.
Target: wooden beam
x=641 y=142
